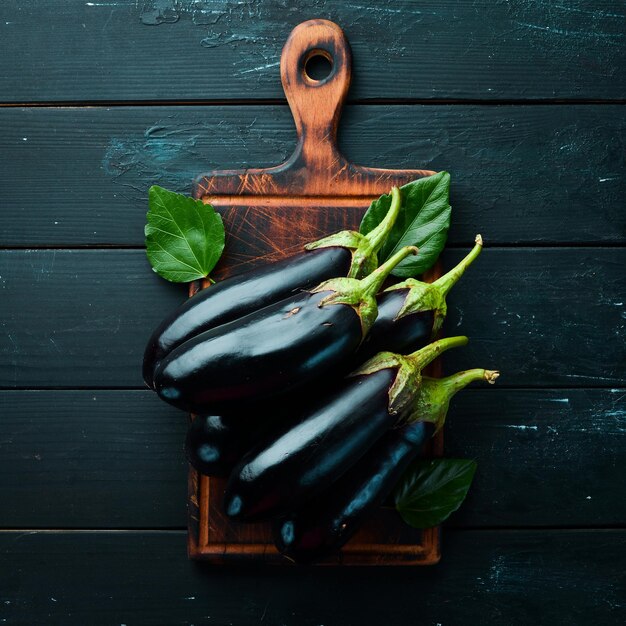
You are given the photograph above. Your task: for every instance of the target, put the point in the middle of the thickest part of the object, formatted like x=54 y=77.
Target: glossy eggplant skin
x=240 y=295
x=216 y=443
x=309 y=452
x=407 y=334
x=324 y=524
x=266 y=354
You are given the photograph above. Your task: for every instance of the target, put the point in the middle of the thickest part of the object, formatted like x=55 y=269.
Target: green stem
x=433 y=399
x=364 y=248
x=447 y=281
x=370 y=285
x=432 y=296
x=404 y=391
x=377 y=236
x=426 y=355
x=364 y=256
x=453 y=384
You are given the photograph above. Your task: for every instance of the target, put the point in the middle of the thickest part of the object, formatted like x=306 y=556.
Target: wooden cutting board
x=271 y=213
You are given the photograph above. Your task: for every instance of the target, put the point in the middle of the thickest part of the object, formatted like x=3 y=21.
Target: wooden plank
x=493 y=578
x=545 y=457
x=113 y=459
x=91 y=459
x=212 y=49
x=542 y=317
x=75 y=318
x=522 y=174
x=80 y=318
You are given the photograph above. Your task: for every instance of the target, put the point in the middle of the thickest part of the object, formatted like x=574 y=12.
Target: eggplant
x=410 y=313
x=325 y=440
x=216 y=443
x=347 y=253
x=273 y=351
x=325 y=523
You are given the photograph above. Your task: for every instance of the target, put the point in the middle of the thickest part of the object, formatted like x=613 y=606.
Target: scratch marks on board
x=55 y=345
x=579 y=34
x=572 y=9
x=173 y=151
x=44 y=269
x=158 y=12
x=601 y=414
x=570 y=36
x=260 y=68
x=14 y=363
x=159 y=148
x=257 y=29
x=215 y=40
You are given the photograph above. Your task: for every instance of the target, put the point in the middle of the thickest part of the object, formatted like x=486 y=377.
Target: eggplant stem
x=435 y=394
x=460 y=380
x=426 y=355
x=448 y=280
x=371 y=284
x=377 y=236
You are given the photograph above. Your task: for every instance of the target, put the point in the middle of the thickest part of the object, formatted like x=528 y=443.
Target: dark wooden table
x=522 y=101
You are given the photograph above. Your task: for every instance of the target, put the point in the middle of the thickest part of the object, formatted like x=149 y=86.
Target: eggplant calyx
x=405 y=383
x=422 y=297
x=432 y=296
x=361 y=294
x=349 y=239
x=348 y=291
x=408 y=379
x=433 y=399
x=364 y=247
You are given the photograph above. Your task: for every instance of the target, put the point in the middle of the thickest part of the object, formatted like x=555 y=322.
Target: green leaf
x=184 y=237
x=423 y=222
x=431 y=490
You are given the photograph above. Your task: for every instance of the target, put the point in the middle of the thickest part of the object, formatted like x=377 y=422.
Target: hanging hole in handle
x=317 y=66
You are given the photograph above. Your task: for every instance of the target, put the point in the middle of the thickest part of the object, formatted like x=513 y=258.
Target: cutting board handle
x=316 y=104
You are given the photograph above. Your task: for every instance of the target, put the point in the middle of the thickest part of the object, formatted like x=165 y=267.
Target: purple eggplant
x=322 y=525
x=321 y=442
x=216 y=443
x=410 y=313
x=276 y=350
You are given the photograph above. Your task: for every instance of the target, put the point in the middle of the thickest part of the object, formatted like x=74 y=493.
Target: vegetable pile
x=305 y=375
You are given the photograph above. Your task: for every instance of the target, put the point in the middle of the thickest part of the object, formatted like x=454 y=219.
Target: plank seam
x=282 y=102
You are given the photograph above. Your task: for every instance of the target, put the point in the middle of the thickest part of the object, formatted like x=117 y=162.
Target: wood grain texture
x=80 y=318
x=520 y=174
x=69 y=461
x=487 y=577
x=91 y=459
x=545 y=457
x=228 y=49
x=72 y=319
